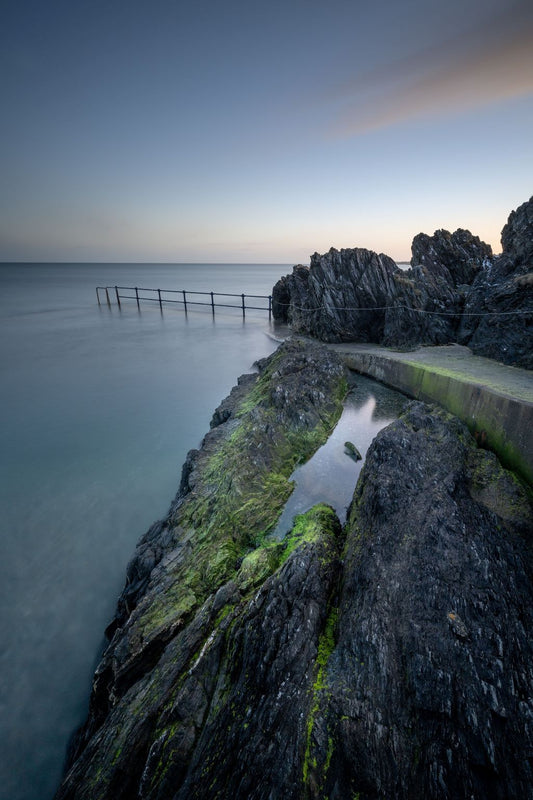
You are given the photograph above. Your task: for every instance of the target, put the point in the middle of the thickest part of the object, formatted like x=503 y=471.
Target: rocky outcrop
x=341 y=297
x=455 y=290
x=149 y=700
x=498 y=313
x=427 y=305
x=429 y=689
x=389 y=659
x=358 y=295
x=456 y=257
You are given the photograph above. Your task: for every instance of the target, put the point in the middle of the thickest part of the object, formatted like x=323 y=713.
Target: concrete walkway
x=494 y=400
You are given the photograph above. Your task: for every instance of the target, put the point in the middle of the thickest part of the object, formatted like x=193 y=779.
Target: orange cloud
x=488 y=65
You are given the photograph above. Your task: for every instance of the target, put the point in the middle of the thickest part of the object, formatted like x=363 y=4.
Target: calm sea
x=99 y=408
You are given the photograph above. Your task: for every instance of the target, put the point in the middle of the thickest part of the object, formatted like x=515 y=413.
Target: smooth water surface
x=99 y=408
x=331 y=474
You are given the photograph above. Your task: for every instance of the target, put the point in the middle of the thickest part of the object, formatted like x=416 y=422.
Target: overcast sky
x=163 y=130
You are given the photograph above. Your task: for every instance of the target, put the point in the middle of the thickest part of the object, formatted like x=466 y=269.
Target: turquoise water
x=99 y=408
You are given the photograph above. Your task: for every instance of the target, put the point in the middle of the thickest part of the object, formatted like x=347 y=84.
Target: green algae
x=241 y=491
x=500 y=490
x=465 y=373
x=319 y=697
x=311 y=527
x=221 y=531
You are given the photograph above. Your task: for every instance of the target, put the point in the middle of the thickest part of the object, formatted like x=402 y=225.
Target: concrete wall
x=507 y=422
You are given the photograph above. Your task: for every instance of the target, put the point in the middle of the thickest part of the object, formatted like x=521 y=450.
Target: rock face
x=500 y=299
x=455 y=290
x=341 y=297
x=427 y=304
x=428 y=691
x=456 y=257
x=389 y=659
x=198 y=572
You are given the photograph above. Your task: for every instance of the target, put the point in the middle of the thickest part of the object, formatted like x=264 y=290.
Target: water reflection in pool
x=331 y=474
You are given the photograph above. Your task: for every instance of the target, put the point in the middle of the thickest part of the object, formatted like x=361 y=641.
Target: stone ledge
x=495 y=401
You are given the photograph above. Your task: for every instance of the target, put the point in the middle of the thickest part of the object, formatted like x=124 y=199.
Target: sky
x=242 y=131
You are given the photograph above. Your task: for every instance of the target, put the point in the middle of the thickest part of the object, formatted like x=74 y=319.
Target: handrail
x=184 y=300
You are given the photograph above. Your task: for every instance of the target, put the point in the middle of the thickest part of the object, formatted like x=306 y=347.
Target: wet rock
x=389 y=659
x=352 y=451
x=431 y=679
x=232 y=491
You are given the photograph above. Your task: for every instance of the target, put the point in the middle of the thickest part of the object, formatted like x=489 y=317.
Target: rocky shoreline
x=391 y=657
x=456 y=290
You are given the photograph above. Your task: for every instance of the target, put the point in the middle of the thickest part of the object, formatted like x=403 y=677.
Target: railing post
x=107 y=297
x=269 y=307
x=184 y=301
x=98 y=296
x=118 y=296
x=212 y=304
x=160 y=303
x=243 y=307
x=137 y=298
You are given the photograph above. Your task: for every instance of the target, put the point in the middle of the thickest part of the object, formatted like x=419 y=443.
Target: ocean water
x=100 y=406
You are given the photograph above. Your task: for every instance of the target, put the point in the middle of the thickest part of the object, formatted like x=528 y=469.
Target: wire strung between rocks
x=415 y=310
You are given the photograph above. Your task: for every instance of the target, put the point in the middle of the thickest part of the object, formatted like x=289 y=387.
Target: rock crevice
x=388 y=658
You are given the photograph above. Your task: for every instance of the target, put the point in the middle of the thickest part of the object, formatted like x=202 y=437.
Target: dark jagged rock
x=197 y=572
x=341 y=297
x=429 y=689
x=389 y=659
x=457 y=257
x=498 y=319
x=517 y=235
x=426 y=307
x=358 y=295
x=290 y=294
x=455 y=290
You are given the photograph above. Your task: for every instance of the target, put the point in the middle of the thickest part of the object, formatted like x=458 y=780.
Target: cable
x=408 y=308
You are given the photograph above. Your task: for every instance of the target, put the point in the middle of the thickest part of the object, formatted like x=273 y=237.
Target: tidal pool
x=331 y=474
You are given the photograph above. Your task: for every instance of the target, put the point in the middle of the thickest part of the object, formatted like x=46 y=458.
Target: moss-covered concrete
x=495 y=401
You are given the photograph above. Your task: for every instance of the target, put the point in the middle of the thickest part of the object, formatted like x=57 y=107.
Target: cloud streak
x=487 y=65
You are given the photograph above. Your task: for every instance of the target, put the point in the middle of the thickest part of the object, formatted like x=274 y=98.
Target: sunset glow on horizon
x=241 y=132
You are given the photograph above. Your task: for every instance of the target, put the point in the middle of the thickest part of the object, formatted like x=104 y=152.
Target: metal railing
x=160 y=296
